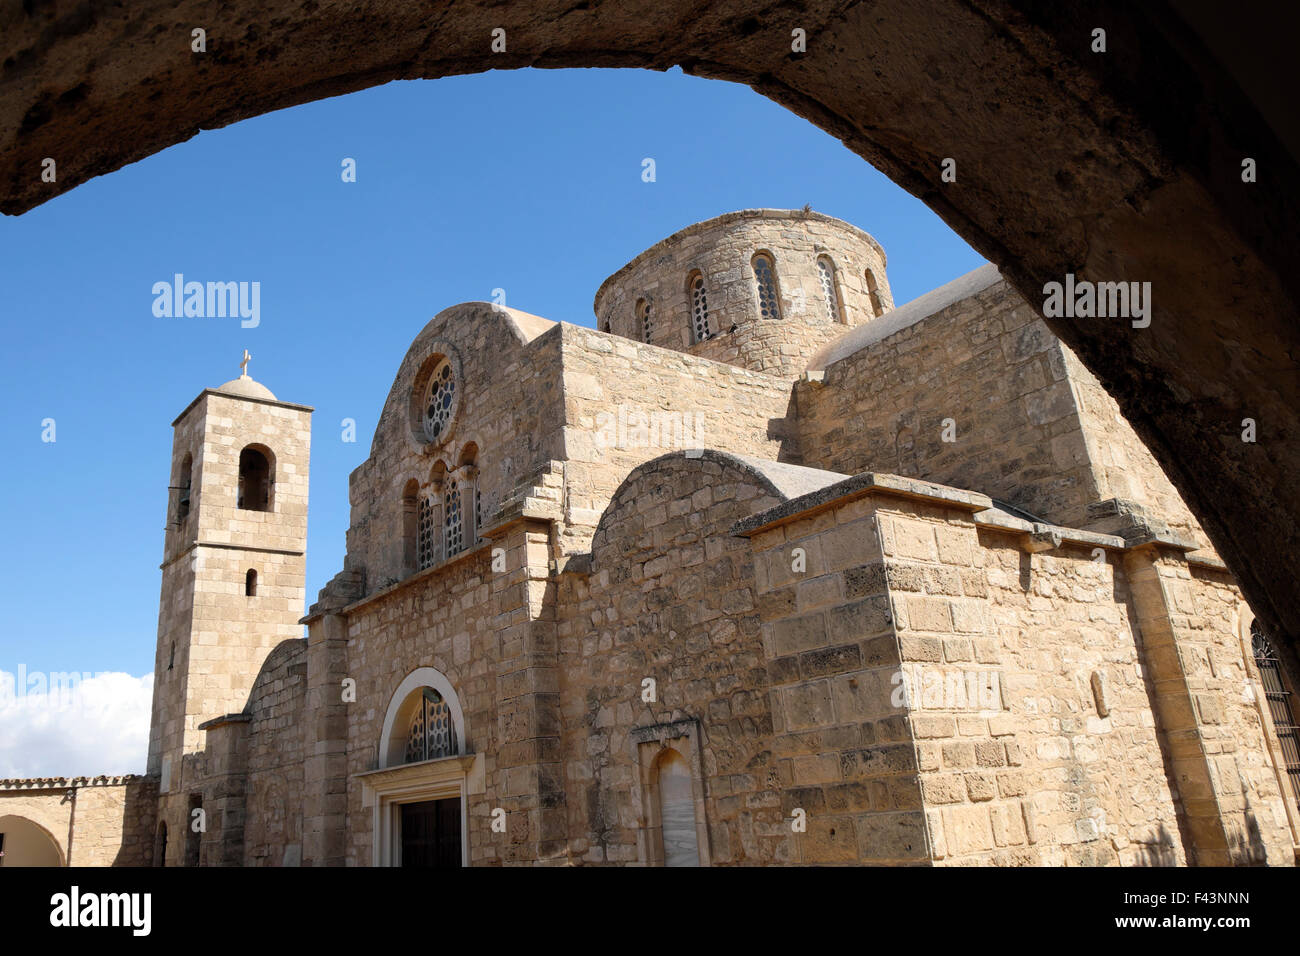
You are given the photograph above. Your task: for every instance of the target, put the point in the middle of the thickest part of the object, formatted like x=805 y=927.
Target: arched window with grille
x=425 y=529
x=830 y=295
x=769 y=300
x=643 y=318
x=432 y=731
x=1278 y=696
x=699 y=307
x=453 y=519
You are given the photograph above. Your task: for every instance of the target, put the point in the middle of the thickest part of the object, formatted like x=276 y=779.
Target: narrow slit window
x=769 y=306
x=250 y=583
x=873 y=291
x=699 y=308
x=643 y=319
x=826 y=273
x=425 y=533
x=454 y=536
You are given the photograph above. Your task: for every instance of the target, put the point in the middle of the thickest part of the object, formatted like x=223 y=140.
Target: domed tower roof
x=244 y=386
x=759 y=288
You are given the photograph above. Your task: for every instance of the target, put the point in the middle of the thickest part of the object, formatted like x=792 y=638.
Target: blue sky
x=527 y=180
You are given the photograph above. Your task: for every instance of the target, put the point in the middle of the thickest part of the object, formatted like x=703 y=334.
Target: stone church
x=761 y=570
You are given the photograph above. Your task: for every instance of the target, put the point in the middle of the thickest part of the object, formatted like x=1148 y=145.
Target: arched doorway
x=26 y=843
x=421 y=788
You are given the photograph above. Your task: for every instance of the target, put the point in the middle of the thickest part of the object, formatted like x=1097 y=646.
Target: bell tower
x=234 y=565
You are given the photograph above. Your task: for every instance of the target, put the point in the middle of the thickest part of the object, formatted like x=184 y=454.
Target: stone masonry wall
x=1096 y=782
x=509 y=406
x=1123 y=465
x=626 y=403
x=468 y=623
x=104 y=822
x=277 y=747
x=669 y=596
x=1030 y=425
x=993 y=368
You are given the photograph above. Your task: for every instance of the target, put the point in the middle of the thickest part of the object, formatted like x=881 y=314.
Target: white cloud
x=71 y=725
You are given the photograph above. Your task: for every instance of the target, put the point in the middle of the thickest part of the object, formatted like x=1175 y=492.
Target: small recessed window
x=186 y=482
x=643 y=318
x=873 y=292
x=250 y=583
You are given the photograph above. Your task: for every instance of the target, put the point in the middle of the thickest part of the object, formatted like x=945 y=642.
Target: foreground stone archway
x=1123 y=165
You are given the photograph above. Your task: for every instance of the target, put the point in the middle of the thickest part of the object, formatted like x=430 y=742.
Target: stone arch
x=27 y=843
x=408 y=692
x=256 y=478
x=1043 y=184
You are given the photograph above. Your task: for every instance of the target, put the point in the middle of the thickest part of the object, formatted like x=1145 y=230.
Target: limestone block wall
x=1067 y=649
x=167 y=724
x=102 y=821
x=1028 y=425
x=626 y=403
x=991 y=367
x=510 y=406
x=669 y=596
x=1206 y=704
x=843 y=745
x=230 y=424
x=233 y=632
x=1123 y=465
x=278 y=742
x=1059 y=709
x=475 y=627
x=722 y=250
x=113 y=823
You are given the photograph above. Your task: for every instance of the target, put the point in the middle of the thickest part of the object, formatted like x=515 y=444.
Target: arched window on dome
x=830 y=294
x=643 y=319
x=1278 y=696
x=695 y=291
x=452 y=519
x=769 y=300
x=256 y=479
x=873 y=291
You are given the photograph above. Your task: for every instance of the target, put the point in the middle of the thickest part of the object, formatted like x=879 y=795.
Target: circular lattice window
x=439 y=405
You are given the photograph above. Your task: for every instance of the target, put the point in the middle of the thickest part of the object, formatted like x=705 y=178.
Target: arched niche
x=401 y=708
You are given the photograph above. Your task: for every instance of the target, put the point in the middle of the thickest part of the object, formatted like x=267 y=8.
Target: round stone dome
x=245 y=387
